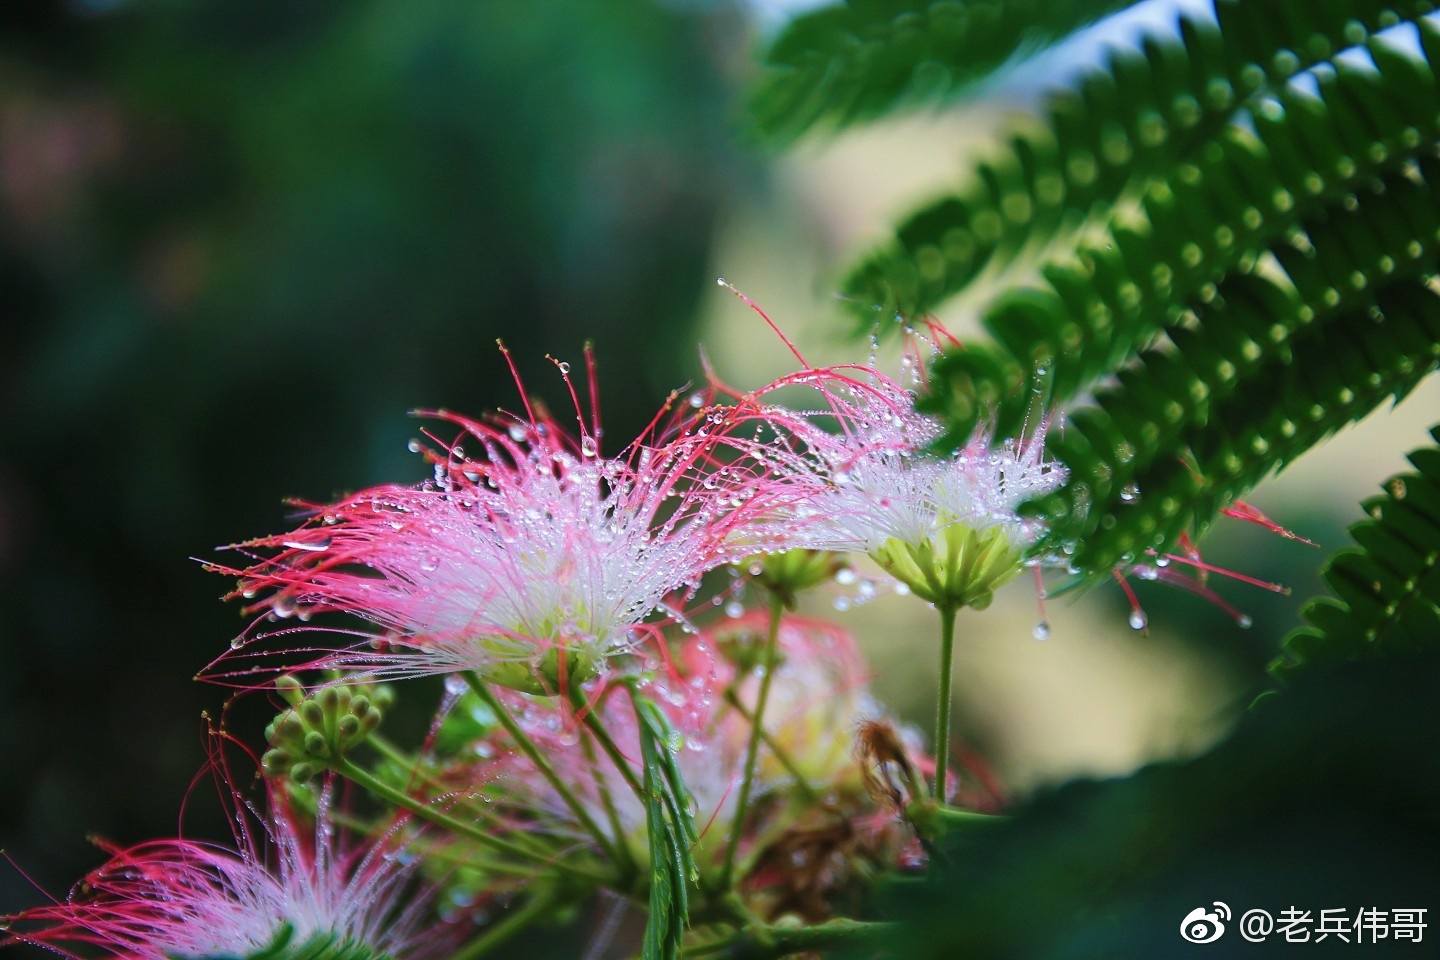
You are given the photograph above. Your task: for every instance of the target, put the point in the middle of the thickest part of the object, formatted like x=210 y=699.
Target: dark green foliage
x=1387 y=591
x=853 y=62
x=1327 y=797
x=671 y=830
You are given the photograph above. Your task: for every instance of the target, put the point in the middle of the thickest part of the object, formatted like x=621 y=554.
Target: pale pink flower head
x=709 y=752
x=186 y=900
x=819 y=696
x=860 y=474
x=530 y=557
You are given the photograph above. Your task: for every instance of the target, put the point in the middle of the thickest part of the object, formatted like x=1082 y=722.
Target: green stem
x=942 y=708
x=527 y=747
x=772 y=643
x=803 y=787
x=834 y=933
x=395 y=755
x=363 y=778
x=932 y=820
x=611 y=812
x=502 y=930
x=602 y=737
x=761 y=942
x=952 y=816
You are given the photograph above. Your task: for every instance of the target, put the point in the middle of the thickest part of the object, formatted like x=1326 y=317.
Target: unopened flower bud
x=313 y=714
x=290 y=689
x=275 y=762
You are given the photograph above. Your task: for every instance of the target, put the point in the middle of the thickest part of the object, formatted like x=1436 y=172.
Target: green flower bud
x=316 y=746
x=290 y=689
x=313 y=714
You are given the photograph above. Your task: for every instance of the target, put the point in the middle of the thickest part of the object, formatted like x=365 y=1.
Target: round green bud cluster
x=321 y=728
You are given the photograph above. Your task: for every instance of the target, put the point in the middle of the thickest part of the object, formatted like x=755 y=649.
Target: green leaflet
x=856 y=61
x=1387 y=588
x=671 y=830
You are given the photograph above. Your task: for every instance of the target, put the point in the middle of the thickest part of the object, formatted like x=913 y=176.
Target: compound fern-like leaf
x=1386 y=588
x=1353 y=292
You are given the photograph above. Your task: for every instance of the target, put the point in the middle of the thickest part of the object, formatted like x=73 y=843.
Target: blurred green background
x=239 y=241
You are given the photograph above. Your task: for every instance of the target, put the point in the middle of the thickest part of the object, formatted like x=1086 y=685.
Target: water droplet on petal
x=315 y=546
x=1244 y=621
x=563 y=367
x=1138 y=620
x=1041 y=631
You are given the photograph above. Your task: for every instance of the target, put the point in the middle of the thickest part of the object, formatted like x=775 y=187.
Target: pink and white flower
x=861 y=476
x=531 y=558
x=819 y=698
x=710 y=753
x=187 y=899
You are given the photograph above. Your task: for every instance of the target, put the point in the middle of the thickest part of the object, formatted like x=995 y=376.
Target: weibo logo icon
x=1205 y=926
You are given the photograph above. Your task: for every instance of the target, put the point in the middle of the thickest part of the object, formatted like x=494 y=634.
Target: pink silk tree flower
x=861 y=476
x=819 y=696
x=186 y=899
x=819 y=700
x=709 y=754
x=530 y=559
